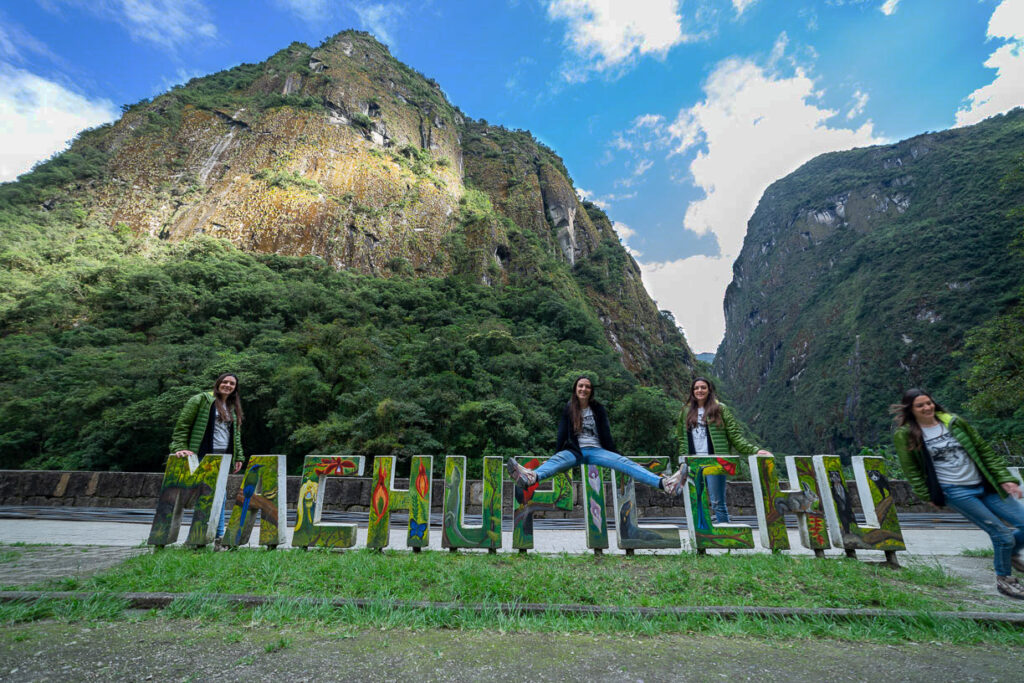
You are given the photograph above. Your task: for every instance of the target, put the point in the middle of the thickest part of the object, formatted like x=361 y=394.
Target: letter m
x=188 y=482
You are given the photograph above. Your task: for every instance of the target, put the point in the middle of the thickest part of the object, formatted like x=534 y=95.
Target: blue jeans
x=566 y=460
x=716 y=496
x=991 y=513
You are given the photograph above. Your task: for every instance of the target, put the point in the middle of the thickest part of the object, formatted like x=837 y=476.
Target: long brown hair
x=575 y=409
x=231 y=403
x=712 y=408
x=904 y=415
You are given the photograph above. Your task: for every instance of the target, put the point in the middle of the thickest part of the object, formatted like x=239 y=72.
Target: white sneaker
x=675 y=484
x=520 y=474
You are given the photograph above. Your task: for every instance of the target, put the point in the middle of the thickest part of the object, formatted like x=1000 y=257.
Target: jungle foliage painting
x=385 y=499
x=526 y=501
x=802 y=499
x=704 y=534
x=190 y=482
x=454 y=531
x=594 y=508
x=629 y=533
x=263 y=494
x=881 y=530
x=309 y=530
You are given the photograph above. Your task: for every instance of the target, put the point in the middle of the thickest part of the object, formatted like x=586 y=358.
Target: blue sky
x=674 y=115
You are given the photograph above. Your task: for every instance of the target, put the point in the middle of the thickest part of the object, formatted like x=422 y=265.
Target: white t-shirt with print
x=588 y=432
x=700 y=434
x=952 y=464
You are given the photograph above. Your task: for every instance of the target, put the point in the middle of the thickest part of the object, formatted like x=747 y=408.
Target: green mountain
x=385 y=274
x=864 y=272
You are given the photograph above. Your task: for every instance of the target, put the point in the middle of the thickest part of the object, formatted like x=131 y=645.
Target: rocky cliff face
x=858 y=278
x=344 y=153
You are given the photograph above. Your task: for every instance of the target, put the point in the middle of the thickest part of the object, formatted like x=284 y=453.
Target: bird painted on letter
x=252 y=477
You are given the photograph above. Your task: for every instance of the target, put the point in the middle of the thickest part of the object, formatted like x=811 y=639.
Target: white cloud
x=755 y=125
x=860 y=100
x=1006 y=91
x=381 y=20
x=607 y=34
x=742 y=5
x=588 y=196
x=625 y=233
x=604 y=202
x=693 y=288
x=888 y=7
x=168 y=24
x=15 y=42
x=642 y=166
x=38 y=117
x=311 y=11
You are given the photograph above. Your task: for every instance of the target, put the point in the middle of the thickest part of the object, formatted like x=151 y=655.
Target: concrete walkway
x=919 y=541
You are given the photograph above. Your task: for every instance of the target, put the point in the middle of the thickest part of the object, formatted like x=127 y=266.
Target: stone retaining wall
x=140 y=490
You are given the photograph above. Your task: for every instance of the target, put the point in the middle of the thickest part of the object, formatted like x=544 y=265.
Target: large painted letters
x=263 y=493
x=594 y=508
x=628 y=532
x=309 y=531
x=454 y=532
x=881 y=530
x=187 y=480
x=818 y=495
x=803 y=500
x=703 y=533
x=526 y=501
x=385 y=499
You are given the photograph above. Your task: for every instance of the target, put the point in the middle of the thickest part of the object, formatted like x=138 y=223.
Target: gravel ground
x=165 y=650
x=21 y=565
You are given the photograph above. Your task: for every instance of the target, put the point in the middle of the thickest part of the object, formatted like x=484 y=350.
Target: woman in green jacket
x=707 y=427
x=211 y=422
x=948 y=463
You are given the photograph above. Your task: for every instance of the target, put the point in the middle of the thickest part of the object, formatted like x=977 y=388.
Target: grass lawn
x=490 y=580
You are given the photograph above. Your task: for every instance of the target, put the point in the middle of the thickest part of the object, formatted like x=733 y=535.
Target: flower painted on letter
x=422 y=482
x=336 y=466
x=379 y=499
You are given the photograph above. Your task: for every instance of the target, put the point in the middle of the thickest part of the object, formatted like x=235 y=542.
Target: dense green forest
x=384 y=274
x=105 y=335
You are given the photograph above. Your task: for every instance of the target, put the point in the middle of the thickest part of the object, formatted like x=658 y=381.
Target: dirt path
x=157 y=649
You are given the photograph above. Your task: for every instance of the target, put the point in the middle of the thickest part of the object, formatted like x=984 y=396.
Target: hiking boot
x=1010 y=587
x=217 y=547
x=675 y=484
x=520 y=475
x=1018 y=562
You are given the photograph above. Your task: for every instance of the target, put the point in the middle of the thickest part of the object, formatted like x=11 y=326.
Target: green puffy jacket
x=726 y=438
x=989 y=463
x=192 y=423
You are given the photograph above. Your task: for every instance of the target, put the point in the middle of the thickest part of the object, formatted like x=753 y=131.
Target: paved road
x=547 y=538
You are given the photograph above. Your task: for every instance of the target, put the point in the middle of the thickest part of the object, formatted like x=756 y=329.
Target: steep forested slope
x=861 y=275
x=385 y=274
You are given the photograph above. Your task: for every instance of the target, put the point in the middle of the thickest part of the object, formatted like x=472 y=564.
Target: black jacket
x=568 y=440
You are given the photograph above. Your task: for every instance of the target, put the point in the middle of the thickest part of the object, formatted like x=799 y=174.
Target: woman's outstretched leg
x=620 y=463
x=559 y=462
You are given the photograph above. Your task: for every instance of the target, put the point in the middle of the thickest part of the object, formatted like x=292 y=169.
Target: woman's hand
x=764 y=452
x=1012 y=488
x=183 y=454
x=237 y=467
